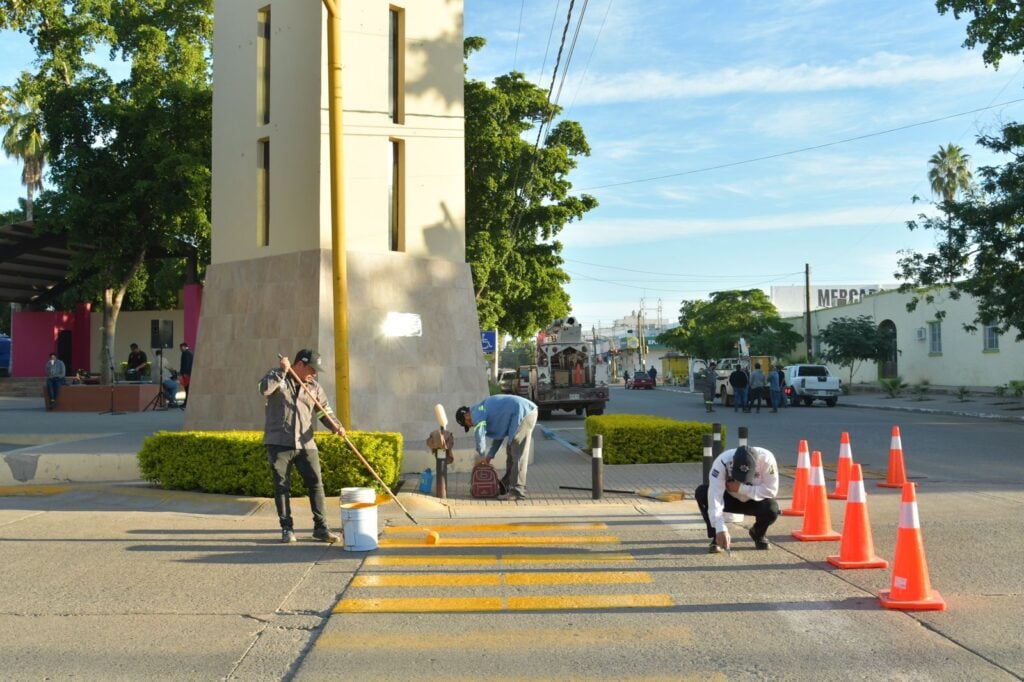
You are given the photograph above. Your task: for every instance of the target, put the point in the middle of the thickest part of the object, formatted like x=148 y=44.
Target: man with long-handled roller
x=288 y=435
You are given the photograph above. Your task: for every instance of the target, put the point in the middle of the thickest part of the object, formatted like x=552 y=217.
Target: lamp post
x=339 y=265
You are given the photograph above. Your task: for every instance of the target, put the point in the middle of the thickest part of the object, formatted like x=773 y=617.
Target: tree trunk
x=28 y=205
x=112 y=299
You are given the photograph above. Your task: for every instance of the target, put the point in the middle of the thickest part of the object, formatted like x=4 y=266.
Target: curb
x=928 y=410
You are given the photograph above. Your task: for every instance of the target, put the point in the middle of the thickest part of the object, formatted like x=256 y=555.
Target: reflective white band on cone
x=908 y=515
x=857 y=493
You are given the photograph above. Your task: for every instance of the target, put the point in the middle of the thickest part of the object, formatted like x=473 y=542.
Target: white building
x=939 y=352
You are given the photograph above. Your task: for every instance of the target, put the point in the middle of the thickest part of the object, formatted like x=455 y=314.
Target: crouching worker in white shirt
x=743 y=480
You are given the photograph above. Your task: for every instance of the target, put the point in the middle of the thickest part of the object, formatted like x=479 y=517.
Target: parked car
x=807 y=383
x=640 y=380
x=507 y=380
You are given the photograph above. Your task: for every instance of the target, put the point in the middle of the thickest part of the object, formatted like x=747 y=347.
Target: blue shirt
x=773 y=380
x=498 y=417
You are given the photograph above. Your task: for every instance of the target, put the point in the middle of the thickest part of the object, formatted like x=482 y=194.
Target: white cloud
x=880 y=70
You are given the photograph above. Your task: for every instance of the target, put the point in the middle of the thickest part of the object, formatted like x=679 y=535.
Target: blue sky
x=668 y=89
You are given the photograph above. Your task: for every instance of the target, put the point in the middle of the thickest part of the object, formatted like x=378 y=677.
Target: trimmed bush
x=235 y=462
x=643 y=439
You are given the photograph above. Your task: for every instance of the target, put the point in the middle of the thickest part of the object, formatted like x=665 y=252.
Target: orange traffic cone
x=897 y=476
x=856 y=549
x=817 y=521
x=911 y=589
x=803 y=463
x=843 y=469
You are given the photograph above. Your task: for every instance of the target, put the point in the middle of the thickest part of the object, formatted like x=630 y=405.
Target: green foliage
x=962 y=394
x=996 y=25
x=643 y=439
x=920 y=390
x=711 y=329
x=1001 y=390
x=519 y=352
x=850 y=340
x=1017 y=387
x=24 y=139
x=892 y=387
x=235 y=462
x=517 y=200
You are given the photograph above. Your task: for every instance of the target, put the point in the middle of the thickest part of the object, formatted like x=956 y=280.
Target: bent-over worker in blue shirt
x=499 y=417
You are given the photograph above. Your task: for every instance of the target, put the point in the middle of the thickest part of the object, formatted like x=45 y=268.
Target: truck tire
x=831 y=402
x=579 y=410
x=593 y=411
x=544 y=413
x=725 y=397
x=808 y=400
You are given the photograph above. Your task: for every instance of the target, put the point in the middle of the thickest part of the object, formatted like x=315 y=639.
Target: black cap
x=460 y=415
x=308 y=356
x=744 y=468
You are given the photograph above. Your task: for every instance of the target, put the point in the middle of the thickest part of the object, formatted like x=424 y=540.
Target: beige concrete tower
x=268 y=288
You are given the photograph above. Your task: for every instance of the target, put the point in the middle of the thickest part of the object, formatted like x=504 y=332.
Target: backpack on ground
x=483 y=483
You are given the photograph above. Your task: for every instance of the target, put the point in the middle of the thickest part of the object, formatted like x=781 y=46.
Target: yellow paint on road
x=419 y=605
x=524 y=541
x=491 y=604
x=432 y=560
x=32 y=490
x=584 y=601
x=491 y=527
x=427 y=580
x=511 y=639
x=566 y=558
x=578 y=578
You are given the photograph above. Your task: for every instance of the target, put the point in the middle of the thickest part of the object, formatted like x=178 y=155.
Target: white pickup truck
x=807 y=383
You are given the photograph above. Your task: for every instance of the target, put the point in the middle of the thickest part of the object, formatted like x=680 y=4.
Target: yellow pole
x=338 y=259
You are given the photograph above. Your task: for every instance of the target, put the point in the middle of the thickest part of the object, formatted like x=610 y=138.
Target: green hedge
x=235 y=462
x=642 y=439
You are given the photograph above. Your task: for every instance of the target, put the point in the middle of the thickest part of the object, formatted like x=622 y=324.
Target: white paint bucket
x=359 y=525
x=354 y=495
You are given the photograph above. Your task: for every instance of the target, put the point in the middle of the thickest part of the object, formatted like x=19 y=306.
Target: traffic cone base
x=935 y=602
x=792 y=512
x=877 y=562
x=830 y=536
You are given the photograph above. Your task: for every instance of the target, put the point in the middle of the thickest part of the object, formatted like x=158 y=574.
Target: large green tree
x=849 y=341
x=130 y=158
x=518 y=200
x=711 y=329
x=980 y=240
x=23 y=139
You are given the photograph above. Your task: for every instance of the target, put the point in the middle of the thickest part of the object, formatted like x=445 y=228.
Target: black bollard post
x=716 y=439
x=708 y=457
x=741 y=436
x=597 y=466
x=442 y=474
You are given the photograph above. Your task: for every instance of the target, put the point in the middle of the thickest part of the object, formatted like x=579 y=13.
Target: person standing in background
x=185 y=370
x=55 y=373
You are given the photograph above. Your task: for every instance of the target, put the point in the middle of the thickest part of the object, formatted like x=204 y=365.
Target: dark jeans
x=53 y=385
x=308 y=464
x=765 y=512
x=756 y=394
x=739 y=398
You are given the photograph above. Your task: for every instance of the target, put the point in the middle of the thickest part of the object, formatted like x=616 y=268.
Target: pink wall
x=34 y=337
x=192 y=300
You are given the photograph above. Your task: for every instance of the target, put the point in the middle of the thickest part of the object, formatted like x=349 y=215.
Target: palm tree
x=949 y=171
x=19 y=112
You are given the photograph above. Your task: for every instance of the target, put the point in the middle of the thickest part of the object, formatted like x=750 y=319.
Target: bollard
x=597 y=466
x=442 y=474
x=716 y=439
x=708 y=457
x=741 y=436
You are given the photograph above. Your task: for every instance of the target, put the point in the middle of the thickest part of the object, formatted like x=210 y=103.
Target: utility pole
x=807 y=309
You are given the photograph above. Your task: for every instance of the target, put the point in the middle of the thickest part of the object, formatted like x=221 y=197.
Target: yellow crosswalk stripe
x=539 y=603
x=493 y=559
x=578 y=578
x=418 y=560
x=491 y=527
x=504 y=541
x=590 y=601
x=427 y=580
x=567 y=558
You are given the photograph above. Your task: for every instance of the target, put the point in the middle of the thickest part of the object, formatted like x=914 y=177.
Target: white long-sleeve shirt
x=765 y=485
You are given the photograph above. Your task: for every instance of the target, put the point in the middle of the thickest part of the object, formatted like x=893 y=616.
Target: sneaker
x=713 y=548
x=325 y=535
x=287 y=536
x=759 y=541
x=516 y=495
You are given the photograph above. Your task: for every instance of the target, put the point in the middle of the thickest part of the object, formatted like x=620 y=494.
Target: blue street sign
x=489 y=341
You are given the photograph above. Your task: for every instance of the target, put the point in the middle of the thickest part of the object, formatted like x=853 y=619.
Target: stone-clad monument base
x=255 y=309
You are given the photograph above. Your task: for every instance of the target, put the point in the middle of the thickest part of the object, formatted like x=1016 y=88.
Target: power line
x=674 y=274
x=804 y=149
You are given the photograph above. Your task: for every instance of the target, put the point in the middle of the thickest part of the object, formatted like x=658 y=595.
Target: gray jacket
x=55 y=370
x=290 y=411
